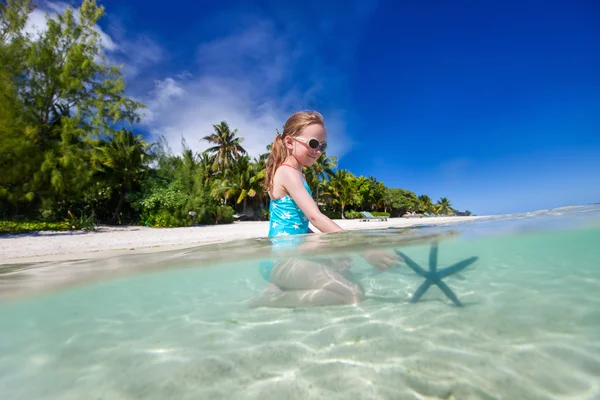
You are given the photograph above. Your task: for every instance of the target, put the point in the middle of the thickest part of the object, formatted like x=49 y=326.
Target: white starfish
x=283 y=233
x=296 y=226
x=286 y=215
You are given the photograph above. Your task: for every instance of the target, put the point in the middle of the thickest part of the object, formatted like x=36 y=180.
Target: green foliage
x=83 y=222
x=425 y=204
x=380 y=214
x=444 y=207
x=402 y=200
x=60 y=97
x=227 y=148
x=351 y=214
x=12 y=227
x=60 y=150
x=224 y=215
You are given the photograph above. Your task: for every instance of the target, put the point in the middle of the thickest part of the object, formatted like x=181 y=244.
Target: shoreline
x=110 y=241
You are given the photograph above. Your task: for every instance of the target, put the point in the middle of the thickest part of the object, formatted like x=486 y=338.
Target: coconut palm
x=227 y=148
x=443 y=206
x=342 y=189
x=323 y=169
x=222 y=188
x=425 y=203
x=245 y=180
x=123 y=160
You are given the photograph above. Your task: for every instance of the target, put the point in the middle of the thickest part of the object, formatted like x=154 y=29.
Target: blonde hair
x=293 y=127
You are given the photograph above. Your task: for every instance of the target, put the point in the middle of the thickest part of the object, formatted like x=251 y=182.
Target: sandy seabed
x=529 y=330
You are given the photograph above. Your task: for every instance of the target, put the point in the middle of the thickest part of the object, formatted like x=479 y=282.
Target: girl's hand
x=382 y=259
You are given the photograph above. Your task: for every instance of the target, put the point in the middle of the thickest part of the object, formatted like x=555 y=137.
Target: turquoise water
x=176 y=325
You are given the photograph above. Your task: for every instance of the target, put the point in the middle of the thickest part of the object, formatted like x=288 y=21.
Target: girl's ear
x=288 y=142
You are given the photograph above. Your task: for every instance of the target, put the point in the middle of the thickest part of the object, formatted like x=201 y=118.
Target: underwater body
x=176 y=325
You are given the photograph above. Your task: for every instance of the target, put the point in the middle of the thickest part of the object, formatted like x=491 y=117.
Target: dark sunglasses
x=313 y=143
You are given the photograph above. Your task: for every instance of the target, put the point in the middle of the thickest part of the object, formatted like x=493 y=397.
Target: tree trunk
x=119 y=205
x=343 y=217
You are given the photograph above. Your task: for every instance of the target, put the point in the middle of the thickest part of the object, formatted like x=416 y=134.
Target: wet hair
x=293 y=127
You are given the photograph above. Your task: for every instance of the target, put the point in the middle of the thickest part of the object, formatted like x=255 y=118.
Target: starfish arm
x=433 y=256
x=448 y=292
x=420 y=291
x=459 y=266
x=413 y=265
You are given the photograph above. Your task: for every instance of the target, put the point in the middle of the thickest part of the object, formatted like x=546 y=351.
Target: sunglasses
x=312 y=143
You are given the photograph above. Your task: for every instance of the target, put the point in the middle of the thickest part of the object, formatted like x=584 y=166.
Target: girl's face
x=308 y=146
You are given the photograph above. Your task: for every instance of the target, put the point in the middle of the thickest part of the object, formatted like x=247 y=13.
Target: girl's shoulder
x=282 y=179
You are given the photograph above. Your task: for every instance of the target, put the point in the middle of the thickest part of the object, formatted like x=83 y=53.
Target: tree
x=227 y=148
x=425 y=204
x=342 y=189
x=321 y=170
x=402 y=200
x=63 y=98
x=122 y=160
x=444 y=206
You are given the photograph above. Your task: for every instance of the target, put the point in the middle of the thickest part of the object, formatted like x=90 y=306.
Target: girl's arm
x=295 y=188
x=378 y=258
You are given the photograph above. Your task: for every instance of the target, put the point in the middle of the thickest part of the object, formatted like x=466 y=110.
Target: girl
x=298 y=282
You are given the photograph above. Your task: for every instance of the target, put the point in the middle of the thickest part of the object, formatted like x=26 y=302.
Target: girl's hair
x=293 y=127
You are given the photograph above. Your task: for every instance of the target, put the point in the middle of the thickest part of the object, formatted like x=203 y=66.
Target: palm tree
x=425 y=203
x=245 y=181
x=342 y=189
x=227 y=148
x=443 y=206
x=322 y=169
x=206 y=162
x=123 y=159
x=222 y=188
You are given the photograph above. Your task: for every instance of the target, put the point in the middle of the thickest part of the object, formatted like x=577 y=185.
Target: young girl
x=300 y=282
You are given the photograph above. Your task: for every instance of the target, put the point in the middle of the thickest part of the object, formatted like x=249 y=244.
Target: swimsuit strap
x=287 y=165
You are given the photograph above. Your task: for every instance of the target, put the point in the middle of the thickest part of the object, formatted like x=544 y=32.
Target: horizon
x=410 y=93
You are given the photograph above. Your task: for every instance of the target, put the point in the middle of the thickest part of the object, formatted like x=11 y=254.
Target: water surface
x=176 y=325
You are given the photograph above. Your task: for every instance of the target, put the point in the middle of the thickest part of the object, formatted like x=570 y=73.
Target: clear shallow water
x=530 y=328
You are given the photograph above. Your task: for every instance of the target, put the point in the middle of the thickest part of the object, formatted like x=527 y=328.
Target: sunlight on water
x=176 y=325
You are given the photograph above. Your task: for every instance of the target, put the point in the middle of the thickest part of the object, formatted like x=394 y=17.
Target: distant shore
x=110 y=240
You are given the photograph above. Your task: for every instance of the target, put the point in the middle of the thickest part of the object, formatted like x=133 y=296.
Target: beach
x=111 y=241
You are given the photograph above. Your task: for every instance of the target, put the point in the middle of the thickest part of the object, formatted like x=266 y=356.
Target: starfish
x=435 y=276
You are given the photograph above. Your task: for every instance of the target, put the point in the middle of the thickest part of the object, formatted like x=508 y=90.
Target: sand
x=110 y=241
x=529 y=330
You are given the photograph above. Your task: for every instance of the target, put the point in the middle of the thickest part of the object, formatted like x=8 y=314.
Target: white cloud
x=189 y=107
x=249 y=78
x=134 y=52
x=36 y=22
x=254 y=76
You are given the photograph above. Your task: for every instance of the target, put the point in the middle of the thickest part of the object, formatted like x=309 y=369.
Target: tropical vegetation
x=70 y=155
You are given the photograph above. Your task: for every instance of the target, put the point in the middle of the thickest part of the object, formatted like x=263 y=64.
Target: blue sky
x=495 y=105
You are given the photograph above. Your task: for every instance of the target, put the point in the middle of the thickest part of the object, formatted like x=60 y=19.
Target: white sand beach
x=110 y=241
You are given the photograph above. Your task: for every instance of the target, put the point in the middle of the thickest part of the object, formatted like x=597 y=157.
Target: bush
x=351 y=214
x=380 y=214
x=163 y=204
x=224 y=215
x=11 y=227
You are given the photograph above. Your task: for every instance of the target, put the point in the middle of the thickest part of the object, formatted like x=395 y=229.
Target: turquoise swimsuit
x=286 y=219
